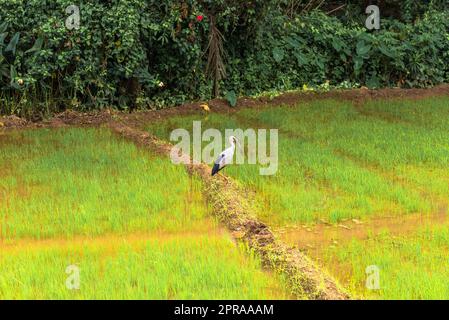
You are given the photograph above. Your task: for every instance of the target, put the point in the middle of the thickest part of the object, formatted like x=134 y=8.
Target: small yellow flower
x=20 y=82
x=205 y=107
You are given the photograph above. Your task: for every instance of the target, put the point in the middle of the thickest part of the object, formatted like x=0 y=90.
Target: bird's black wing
x=216 y=167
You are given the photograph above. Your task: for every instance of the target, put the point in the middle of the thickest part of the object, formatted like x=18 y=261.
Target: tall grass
x=134 y=224
x=337 y=162
x=192 y=267
x=410 y=267
x=86 y=182
x=340 y=161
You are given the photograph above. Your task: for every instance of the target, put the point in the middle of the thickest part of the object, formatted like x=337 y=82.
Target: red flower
x=199 y=18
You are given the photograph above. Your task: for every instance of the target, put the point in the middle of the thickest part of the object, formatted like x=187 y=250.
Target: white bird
x=225 y=157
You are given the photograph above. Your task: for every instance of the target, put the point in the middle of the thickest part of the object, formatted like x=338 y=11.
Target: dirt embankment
x=12 y=121
x=356 y=96
x=304 y=277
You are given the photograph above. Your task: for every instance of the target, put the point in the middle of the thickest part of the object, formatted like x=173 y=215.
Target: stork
x=226 y=156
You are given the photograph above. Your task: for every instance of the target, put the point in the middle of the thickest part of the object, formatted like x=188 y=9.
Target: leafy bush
x=148 y=53
x=316 y=48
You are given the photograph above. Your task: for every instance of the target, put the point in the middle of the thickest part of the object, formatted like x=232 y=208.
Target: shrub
x=141 y=54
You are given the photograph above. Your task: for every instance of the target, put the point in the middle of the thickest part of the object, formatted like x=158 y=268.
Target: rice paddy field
x=131 y=225
x=358 y=185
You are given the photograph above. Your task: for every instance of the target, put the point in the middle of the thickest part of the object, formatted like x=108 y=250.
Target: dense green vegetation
x=134 y=224
x=140 y=54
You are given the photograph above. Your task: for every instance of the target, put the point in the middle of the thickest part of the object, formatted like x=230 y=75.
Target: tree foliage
x=147 y=53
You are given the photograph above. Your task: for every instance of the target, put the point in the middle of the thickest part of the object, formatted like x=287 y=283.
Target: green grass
x=134 y=224
x=87 y=182
x=410 y=267
x=364 y=160
x=431 y=113
x=192 y=267
x=137 y=225
x=338 y=161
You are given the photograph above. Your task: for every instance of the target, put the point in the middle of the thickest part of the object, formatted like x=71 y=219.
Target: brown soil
x=66 y=118
x=356 y=96
x=12 y=121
